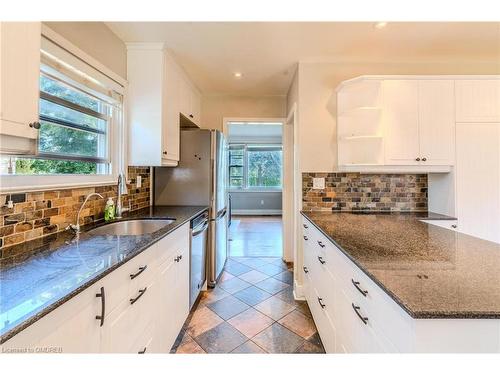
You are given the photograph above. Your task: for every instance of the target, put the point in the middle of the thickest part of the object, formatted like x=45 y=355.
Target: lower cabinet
x=138 y=308
x=354 y=315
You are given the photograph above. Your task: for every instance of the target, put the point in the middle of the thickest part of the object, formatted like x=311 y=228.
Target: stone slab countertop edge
x=16 y=271
x=344 y=230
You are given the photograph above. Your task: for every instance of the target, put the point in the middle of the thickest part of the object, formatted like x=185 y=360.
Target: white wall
x=215 y=107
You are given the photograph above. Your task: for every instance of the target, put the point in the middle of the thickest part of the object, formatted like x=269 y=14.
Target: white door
x=478 y=100
x=436 y=108
x=400 y=119
x=19 y=77
x=478 y=179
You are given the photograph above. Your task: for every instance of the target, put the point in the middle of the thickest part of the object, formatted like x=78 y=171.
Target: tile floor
x=252 y=310
x=255 y=236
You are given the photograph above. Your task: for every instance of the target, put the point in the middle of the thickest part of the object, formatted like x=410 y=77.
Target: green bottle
x=109 y=210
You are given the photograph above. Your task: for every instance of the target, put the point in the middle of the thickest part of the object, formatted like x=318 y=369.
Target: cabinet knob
x=164 y=152
x=424 y=159
x=417 y=159
x=34 y=125
x=454 y=225
x=191 y=116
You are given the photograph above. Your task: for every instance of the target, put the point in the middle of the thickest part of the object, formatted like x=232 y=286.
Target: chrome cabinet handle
x=321 y=260
x=320 y=301
x=141 y=293
x=142 y=351
x=177 y=259
x=424 y=159
x=306 y=238
x=180 y=257
x=321 y=244
x=454 y=225
x=356 y=285
x=141 y=270
x=356 y=310
x=306 y=270
x=305 y=226
x=417 y=159
x=35 y=125
x=103 y=306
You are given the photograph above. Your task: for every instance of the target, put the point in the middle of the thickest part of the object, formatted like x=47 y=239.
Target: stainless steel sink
x=131 y=227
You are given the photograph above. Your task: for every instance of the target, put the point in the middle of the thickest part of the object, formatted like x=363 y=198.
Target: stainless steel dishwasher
x=198 y=258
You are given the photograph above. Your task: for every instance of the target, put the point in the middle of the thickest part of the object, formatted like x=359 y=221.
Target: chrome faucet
x=76 y=227
x=122 y=189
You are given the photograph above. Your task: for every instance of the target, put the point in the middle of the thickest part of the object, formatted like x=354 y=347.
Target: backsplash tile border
x=365 y=192
x=42 y=213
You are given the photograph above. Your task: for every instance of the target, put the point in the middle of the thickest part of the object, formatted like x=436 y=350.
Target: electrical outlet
x=138 y=183
x=318 y=183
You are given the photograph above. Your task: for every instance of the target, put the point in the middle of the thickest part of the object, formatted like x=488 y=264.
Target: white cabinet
x=478 y=100
x=146 y=301
x=419 y=122
x=478 y=180
x=436 y=122
x=400 y=119
x=159 y=91
x=19 y=91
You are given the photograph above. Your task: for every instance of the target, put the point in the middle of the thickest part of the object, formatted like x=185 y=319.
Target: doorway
x=255 y=187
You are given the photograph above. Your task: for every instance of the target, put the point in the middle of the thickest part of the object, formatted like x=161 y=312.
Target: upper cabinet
x=19 y=90
x=159 y=94
x=478 y=100
x=407 y=123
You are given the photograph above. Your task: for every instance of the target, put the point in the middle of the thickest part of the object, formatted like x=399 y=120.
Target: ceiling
x=266 y=53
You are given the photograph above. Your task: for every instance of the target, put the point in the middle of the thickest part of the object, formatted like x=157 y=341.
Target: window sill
x=29 y=183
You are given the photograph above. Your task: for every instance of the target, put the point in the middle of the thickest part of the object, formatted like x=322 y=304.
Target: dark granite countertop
x=40 y=275
x=431 y=272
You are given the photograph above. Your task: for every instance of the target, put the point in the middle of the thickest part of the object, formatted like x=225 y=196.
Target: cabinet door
x=196 y=106
x=400 y=117
x=436 y=108
x=478 y=179
x=19 y=77
x=166 y=307
x=70 y=328
x=185 y=97
x=477 y=100
x=171 y=103
x=181 y=287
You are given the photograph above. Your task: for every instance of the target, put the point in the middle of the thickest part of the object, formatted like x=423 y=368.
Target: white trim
x=77 y=52
x=80 y=181
x=298 y=291
x=417 y=77
x=373 y=168
x=256 y=212
x=264 y=120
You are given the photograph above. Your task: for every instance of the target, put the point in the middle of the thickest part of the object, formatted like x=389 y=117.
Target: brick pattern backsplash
x=37 y=214
x=373 y=192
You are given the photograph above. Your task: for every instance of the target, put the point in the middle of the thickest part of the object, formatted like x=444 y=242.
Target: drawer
x=355 y=333
x=323 y=321
x=146 y=342
x=172 y=244
x=385 y=317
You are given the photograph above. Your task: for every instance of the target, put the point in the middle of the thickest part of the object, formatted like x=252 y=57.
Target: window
x=256 y=167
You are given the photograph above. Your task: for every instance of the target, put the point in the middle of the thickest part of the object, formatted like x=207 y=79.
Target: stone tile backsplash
x=37 y=214
x=372 y=192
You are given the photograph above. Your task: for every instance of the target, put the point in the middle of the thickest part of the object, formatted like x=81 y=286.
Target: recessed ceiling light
x=237 y=74
x=380 y=25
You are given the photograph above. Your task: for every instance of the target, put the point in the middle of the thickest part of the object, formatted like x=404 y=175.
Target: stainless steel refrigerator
x=201 y=178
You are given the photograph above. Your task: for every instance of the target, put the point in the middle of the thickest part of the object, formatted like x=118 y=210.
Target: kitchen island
x=412 y=286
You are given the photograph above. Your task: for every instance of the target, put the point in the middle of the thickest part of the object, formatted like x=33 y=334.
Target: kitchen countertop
x=431 y=272
x=40 y=275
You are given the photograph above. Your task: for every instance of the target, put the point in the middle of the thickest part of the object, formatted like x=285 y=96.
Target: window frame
x=245 y=187
x=117 y=132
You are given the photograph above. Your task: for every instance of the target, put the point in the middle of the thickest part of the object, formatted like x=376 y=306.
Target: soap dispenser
x=109 y=210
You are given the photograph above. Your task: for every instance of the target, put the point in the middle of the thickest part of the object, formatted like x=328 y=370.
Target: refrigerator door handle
x=221 y=213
